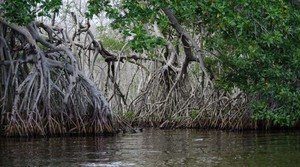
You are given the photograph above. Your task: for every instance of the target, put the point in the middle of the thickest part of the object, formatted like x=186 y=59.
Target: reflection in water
x=156 y=148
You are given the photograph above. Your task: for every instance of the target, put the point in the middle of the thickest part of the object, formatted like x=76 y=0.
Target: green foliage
x=143 y=41
x=259 y=45
x=129 y=115
x=257 y=42
x=193 y=114
x=24 y=11
x=111 y=41
x=129 y=17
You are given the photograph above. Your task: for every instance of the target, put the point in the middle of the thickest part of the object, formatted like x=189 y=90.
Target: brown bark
x=188 y=42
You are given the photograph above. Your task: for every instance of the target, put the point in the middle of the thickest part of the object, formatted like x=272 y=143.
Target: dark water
x=154 y=148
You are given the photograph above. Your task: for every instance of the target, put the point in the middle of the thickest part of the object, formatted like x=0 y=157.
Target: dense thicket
x=188 y=63
x=44 y=90
x=253 y=43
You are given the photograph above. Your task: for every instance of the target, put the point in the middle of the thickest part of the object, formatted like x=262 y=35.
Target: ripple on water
x=111 y=164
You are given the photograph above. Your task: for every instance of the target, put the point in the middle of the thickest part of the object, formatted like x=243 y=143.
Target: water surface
x=155 y=148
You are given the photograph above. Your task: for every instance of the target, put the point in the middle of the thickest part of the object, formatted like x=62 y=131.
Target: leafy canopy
x=24 y=11
x=259 y=42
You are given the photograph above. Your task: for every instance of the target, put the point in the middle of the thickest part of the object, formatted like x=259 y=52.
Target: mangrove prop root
x=190 y=105
x=43 y=91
